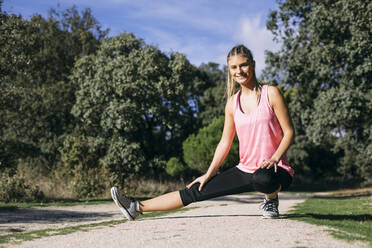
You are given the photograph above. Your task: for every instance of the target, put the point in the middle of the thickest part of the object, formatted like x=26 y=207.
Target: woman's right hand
x=202 y=180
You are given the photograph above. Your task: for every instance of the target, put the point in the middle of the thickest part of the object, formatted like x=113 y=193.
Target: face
x=241 y=69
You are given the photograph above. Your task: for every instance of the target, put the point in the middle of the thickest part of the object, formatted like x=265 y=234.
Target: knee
x=190 y=195
x=265 y=181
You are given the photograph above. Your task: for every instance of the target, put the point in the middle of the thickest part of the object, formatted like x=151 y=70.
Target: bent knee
x=265 y=181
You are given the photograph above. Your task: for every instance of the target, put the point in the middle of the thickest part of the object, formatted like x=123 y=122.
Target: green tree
x=326 y=57
x=198 y=149
x=174 y=167
x=213 y=98
x=142 y=102
x=36 y=96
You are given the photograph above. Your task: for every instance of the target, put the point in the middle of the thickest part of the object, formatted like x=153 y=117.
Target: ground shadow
x=49 y=216
x=362 y=194
x=257 y=198
x=8 y=208
x=245 y=200
x=202 y=216
x=360 y=217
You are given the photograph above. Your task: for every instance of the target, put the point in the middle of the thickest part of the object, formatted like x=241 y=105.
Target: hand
x=269 y=163
x=202 y=180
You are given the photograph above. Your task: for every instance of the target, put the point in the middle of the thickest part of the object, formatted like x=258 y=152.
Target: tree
x=142 y=102
x=198 y=149
x=326 y=57
x=35 y=93
x=175 y=167
x=213 y=98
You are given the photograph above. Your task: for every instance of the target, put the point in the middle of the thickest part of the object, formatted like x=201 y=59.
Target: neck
x=250 y=87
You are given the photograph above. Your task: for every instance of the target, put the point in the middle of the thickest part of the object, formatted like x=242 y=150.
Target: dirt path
x=232 y=221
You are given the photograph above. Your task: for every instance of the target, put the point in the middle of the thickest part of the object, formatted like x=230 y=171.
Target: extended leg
x=229 y=182
x=168 y=201
x=232 y=181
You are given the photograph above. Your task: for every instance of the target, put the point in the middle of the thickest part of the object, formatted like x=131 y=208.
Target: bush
x=14 y=189
x=81 y=169
x=174 y=167
x=89 y=183
x=198 y=150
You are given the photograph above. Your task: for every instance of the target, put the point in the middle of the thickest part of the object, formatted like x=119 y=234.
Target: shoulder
x=229 y=108
x=274 y=95
x=230 y=104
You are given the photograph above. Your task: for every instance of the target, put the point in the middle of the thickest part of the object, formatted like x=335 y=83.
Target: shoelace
x=269 y=205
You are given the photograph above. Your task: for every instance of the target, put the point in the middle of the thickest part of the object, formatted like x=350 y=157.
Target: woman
x=260 y=117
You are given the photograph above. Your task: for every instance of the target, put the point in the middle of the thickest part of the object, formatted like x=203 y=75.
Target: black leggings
x=235 y=181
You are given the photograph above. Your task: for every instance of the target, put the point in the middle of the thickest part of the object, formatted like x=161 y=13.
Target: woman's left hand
x=269 y=163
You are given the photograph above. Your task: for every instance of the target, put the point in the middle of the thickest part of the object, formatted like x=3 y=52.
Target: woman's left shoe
x=270 y=208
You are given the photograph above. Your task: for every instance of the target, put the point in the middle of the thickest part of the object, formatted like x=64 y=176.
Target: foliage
x=198 y=149
x=13 y=188
x=326 y=58
x=174 y=167
x=140 y=101
x=35 y=93
x=213 y=98
x=81 y=168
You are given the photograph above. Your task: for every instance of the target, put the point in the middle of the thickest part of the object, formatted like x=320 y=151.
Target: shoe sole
x=114 y=192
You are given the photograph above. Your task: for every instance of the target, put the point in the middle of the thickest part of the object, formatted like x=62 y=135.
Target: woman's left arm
x=280 y=109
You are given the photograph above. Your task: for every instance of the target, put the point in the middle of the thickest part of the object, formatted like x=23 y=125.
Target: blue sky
x=204 y=30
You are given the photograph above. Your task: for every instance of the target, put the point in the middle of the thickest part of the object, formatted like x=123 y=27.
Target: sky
x=203 y=30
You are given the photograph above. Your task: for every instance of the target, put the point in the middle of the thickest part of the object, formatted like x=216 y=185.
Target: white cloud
x=201 y=29
x=250 y=31
x=256 y=37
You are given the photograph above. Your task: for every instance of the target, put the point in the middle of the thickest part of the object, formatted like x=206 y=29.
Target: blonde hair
x=242 y=51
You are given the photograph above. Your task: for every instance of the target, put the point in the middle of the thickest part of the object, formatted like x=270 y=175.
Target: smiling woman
x=259 y=116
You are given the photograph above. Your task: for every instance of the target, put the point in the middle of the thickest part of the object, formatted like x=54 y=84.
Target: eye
x=244 y=66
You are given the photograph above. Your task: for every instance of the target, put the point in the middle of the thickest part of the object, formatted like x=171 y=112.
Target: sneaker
x=128 y=206
x=270 y=208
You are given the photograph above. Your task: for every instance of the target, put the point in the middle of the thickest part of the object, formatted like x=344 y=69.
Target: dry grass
x=47 y=181
x=148 y=188
x=143 y=188
x=55 y=187
x=352 y=192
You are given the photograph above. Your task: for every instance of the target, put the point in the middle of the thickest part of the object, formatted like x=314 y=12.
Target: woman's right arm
x=223 y=146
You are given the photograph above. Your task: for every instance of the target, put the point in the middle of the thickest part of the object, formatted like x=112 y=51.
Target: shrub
x=13 y=188
x=81 y=169
x=198 y=150
x=174 y=167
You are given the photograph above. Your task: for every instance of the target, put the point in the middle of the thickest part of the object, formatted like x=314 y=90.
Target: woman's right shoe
x=128 y=206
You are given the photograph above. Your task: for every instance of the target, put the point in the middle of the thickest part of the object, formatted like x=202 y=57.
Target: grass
x=27 y=236
x=350 y=218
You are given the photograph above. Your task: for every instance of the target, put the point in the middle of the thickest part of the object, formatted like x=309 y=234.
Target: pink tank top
x=259 y=134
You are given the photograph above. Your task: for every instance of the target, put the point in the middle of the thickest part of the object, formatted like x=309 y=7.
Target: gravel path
x=232 y=221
